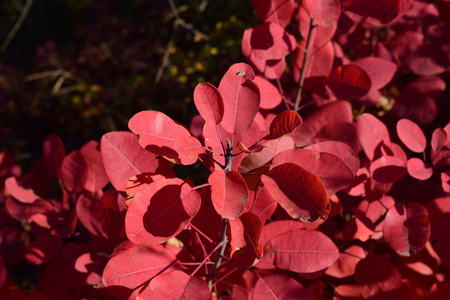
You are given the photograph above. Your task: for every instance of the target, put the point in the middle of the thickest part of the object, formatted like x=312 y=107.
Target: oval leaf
x=284 y=123
x=349 y=82
x=407 y=228
x=74 y=172
x=161 y=211
x=278 y=287
x=418 y=169
x=379 y=70
x=299 y=192
x=93 y=215
x=303 y=251
x=229 y=193
x=325 y=12
x=278 y=11
x=241 y=98
x=209 y=102
x=388 y=169
x=411 y=135
x=371 y=133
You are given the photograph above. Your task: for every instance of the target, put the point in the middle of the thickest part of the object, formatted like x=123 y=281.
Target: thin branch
x=304 y=64
x=19 y=22
x=218 y=260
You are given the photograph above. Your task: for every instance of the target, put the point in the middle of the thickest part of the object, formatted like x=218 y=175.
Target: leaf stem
x=304 y=64
x=219 y=255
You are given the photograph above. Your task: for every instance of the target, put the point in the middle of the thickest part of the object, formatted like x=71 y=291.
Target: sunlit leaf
x=209 y=102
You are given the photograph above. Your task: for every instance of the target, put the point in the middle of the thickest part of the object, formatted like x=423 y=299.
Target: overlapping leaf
x=349 y=82
x=411 y=135
x=277 y=287
x=53 y=152
x=209 y=103
x=277 y=11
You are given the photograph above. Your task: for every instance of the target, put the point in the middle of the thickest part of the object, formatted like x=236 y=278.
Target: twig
x=218 y=260
x=304 y=64
x=19 y=22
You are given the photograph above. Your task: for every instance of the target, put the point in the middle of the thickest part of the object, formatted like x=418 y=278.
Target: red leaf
x=411 y=135
x=270 y=41
x=74 y=172
x=284 y=123
x=349 y=82
x=341 y=150
x=388 y=169
x=320 y=35
x=97 y=178
x=241 y=98
x=124 y=158
x=325 y=12
x=382 y=10
x=43 y=249
x=380 y=71
x=136 y=265
x=346 y=263
x=303 y=251
x=209 y=102
x=53 y=152
x=93 y=215
x=270 y=95
x=248 y=255
x=406 y=228
x=19 y=193
x=140 y=182
x=161 y=211
x=188 y=148
x=366 y=124
x=229 y=193
x=277 y=286
x=331 y=170
x=176 y=285
x=299 y=192
x=418 y=169
x=376 y=275
x=319 y=64
x=277 y=11
x=157 y=133
x=429 y=60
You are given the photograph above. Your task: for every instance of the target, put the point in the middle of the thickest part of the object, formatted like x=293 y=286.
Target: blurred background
x=80 y=68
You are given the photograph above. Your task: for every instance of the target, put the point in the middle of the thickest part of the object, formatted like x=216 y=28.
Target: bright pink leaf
x=209 y=102
x=382 y=10
x=277 y=287
x=229 y=193
x=284 y=123
x=157 y=133
x=19 y=193
x=277 y=11
x=299 y=192
x=411 y=135
x=124 y=158
x=136 y=265
x=303 y=251
x=418 y=169
x=349 y=82
x=319 y=64
x=376 y=275
x=188 y=148
x=270 y=95
x=380 y=71
x=331 y=170
x=93 y=215
x=161 y=211
x=371 y=133
x=241 y=98
x=74 y=172
x=140 y=182
x=176 y=285
x=325 y=12
x=406 y=228
x=388 y=169
x=97 y=178
x=53 y=152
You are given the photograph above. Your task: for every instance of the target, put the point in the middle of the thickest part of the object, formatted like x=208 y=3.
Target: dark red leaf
x=380 y=71
x=93 y=215
x=411 y=135
x=331 y=170
x=341 y=150
x=277 y=11
x=136 y=265
x=270 y=41
x=97 y=178
x=371 y=133
x=376 y=275
x=161 y=211
x=277 y=287
x=124 y=158
x=349 y=82
x=346 y=263
x=25 y=295
x=325 y=12
x=388 y=169
x=53 y=152
x=209 y=102
x=241 y=98
x=176 y=285
x=299 y=192
x=429 y=60
x=418 y=169
x=246 y=256
x=74 y=172
x=406 y=228
x=229 y=193
x=284 y=123
x=439 y=290
x=43 y=249
x=382 y=10
x=303 y=251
